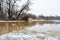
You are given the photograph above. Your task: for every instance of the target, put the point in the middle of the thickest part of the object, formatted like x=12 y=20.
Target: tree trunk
x=9 y=12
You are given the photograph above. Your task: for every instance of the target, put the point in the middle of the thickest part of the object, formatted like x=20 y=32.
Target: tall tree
x=24 y=7
x=10 y=7
x=10 y=4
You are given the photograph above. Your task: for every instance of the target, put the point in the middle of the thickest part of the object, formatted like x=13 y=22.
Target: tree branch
x=22 y=9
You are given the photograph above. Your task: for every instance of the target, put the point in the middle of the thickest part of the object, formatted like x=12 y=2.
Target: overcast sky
x=45 y=7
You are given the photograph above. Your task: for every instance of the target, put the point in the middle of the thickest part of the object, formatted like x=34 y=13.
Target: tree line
x=8 y=9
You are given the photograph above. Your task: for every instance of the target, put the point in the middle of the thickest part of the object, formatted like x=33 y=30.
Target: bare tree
x=25 y=7
x=10 y=8
x=2 y=9
x=10 y=4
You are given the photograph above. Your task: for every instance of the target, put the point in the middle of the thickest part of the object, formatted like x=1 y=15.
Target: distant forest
x=44 y=17
x=50 y=17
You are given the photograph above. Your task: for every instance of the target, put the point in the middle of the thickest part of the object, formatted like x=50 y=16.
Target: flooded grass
x=29 y=31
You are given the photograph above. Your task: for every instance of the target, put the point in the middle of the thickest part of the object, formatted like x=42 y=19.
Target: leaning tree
x=8 y=7
x=11 y=5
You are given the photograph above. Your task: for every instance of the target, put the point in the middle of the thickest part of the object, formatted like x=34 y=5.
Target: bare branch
x=22 y=9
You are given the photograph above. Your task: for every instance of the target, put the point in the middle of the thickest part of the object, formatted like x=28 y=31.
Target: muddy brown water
x=35 y=27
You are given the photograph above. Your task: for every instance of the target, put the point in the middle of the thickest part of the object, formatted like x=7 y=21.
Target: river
x=29 y=31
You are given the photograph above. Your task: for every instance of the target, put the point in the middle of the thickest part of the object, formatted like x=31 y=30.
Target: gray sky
x=44 y=7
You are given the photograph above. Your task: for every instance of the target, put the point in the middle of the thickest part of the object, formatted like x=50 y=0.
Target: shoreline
x=13 y=21
x=34 y=20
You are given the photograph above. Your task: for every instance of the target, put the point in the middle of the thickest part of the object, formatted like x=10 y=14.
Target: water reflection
x=9 y=27
x=29 y=31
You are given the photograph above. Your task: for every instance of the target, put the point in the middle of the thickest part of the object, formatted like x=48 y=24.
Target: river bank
x=32 y=20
